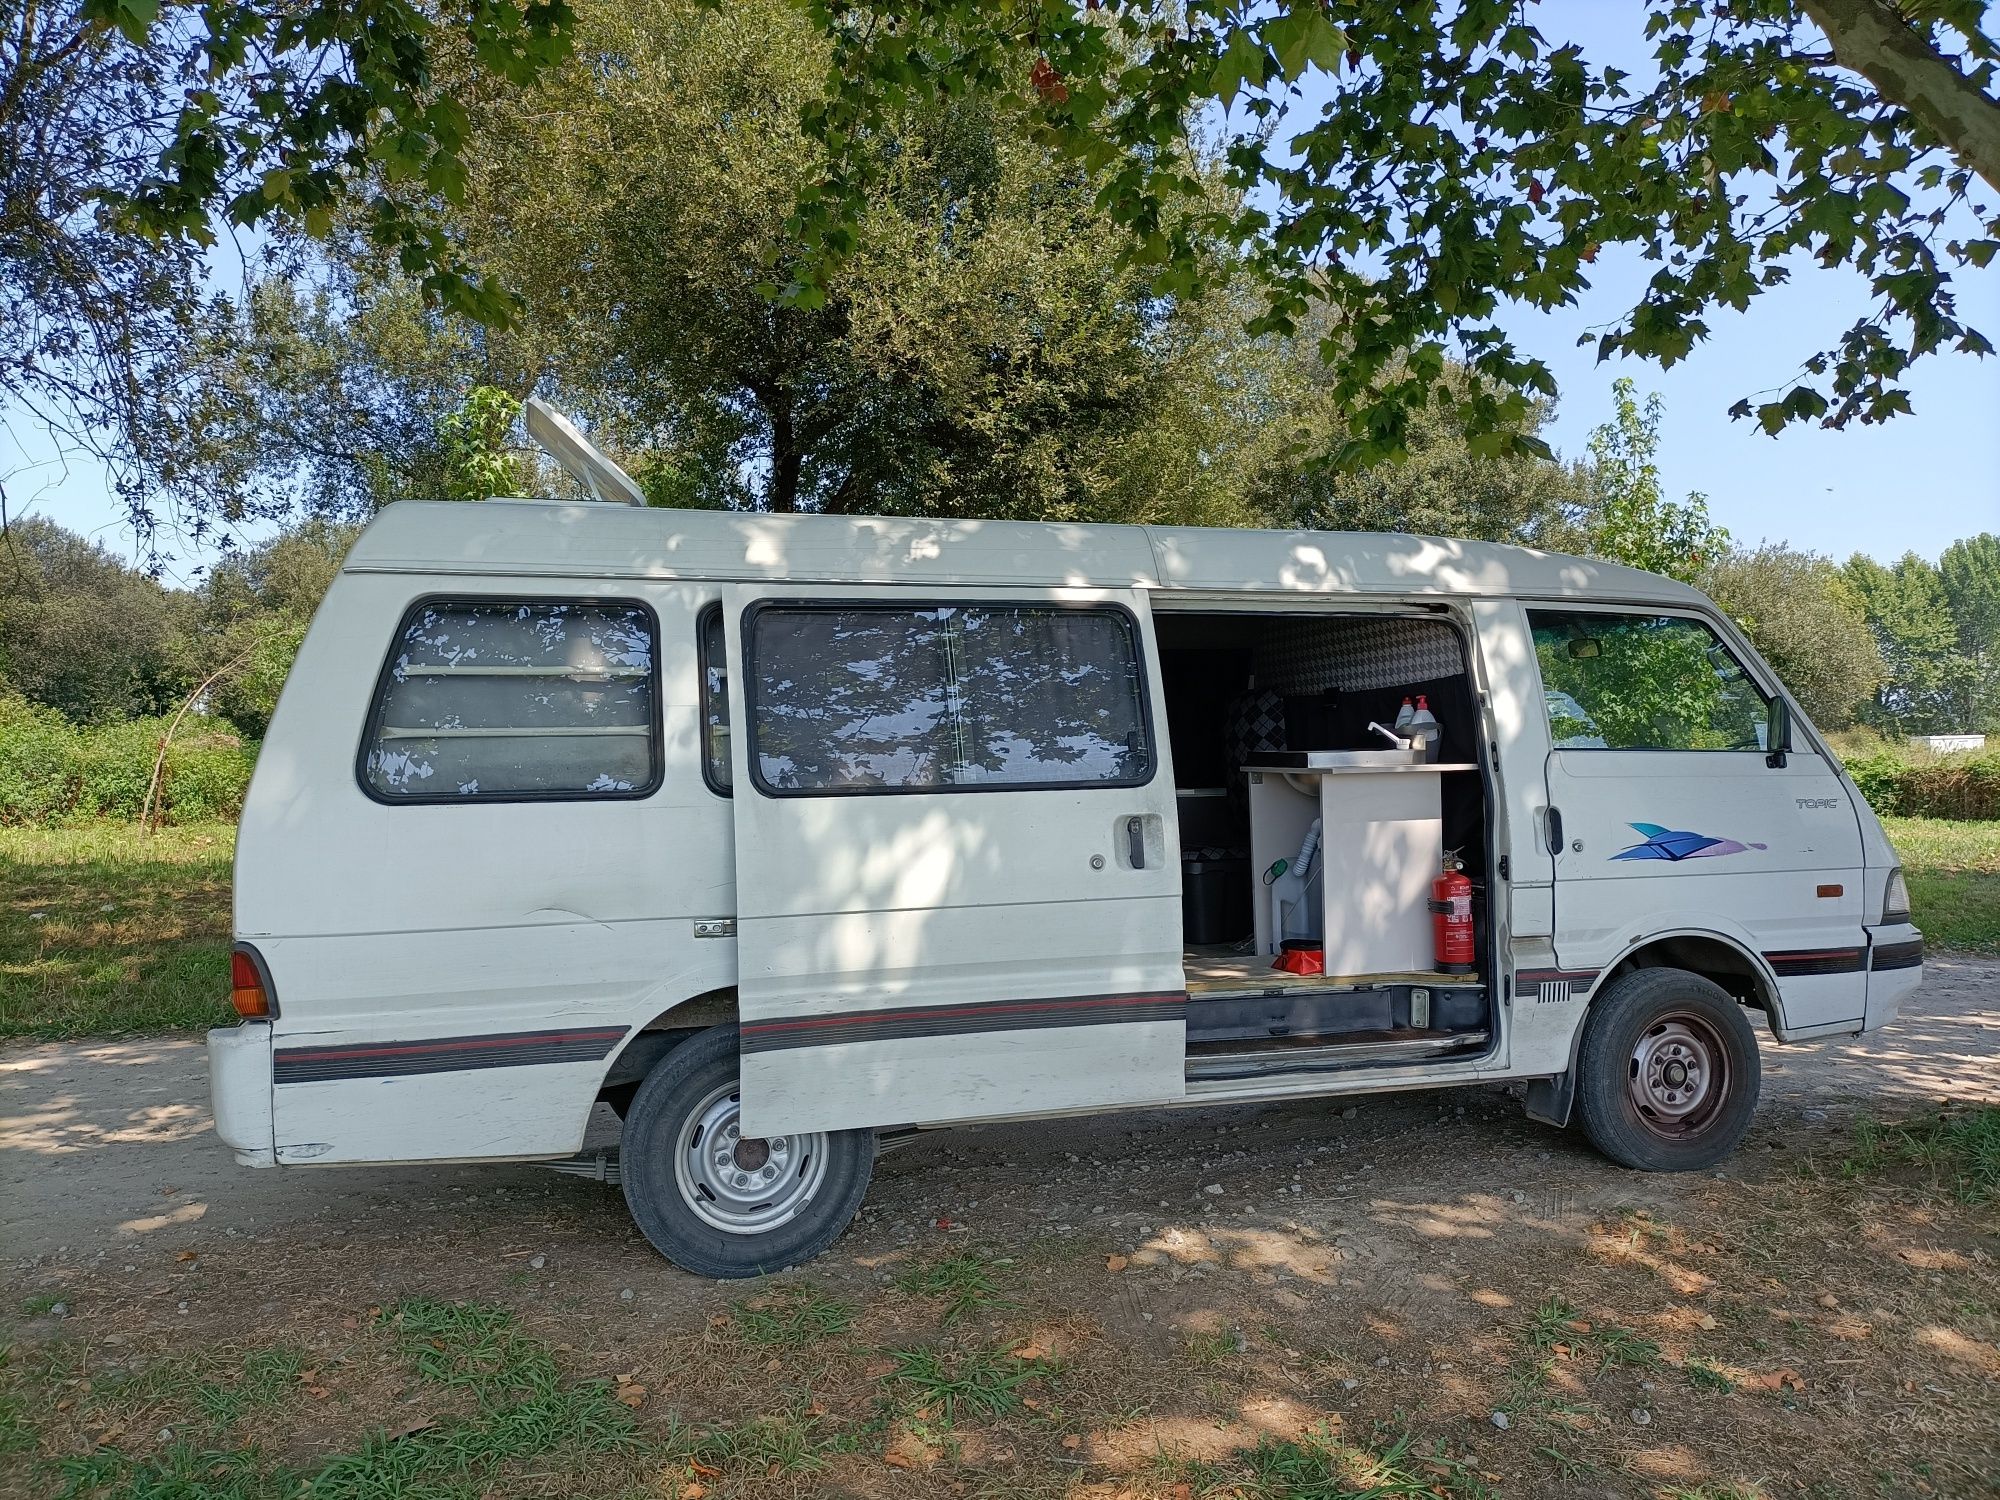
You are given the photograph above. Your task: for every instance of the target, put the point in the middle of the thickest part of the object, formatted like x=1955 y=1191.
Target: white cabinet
x=1381 y=845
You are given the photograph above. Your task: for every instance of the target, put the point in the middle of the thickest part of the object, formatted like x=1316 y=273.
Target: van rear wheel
x=1668 y=1073
x=720 y=1203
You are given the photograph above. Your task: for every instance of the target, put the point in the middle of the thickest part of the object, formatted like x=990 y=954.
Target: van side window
x=519 y=699
x=860 y=698
x=1644 y=682
x=714 y=700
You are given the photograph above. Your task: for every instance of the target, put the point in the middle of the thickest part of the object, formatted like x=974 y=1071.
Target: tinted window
x=1644 y=682
x=516 y=699
x=864 y=698
x=714 y=699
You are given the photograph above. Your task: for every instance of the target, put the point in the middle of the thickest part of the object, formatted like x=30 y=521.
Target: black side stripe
x=456 y=1054
x=958 y=1020
x=1908 y=955
x=1801 y=962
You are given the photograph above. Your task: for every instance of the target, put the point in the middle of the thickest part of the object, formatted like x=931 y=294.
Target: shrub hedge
x=1966 y=787
x=53 y=773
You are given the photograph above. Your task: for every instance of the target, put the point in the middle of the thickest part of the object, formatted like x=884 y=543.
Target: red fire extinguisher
x=1451 y=919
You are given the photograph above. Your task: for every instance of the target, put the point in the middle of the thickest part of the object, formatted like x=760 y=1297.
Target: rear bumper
x=239 y=1091
x=1895 y=969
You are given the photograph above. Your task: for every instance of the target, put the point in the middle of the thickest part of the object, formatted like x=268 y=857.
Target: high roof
x=562 y=539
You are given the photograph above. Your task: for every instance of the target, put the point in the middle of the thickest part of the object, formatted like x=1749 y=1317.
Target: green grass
x=988 y=1382
x=963 y=1282
x=1960 y=1147
x=1324 y=1465
x=526 y=1412
x=105 y=930
x=1954 y=874
x=1705 y=1376
x=793 y=1317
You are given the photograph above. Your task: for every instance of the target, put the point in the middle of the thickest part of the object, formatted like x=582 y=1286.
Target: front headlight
x=1895 y=899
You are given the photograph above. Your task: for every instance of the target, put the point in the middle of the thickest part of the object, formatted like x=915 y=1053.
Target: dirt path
x=1326 y=1260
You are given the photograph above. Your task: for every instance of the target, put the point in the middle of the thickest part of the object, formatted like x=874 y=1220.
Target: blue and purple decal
x=1679 y=844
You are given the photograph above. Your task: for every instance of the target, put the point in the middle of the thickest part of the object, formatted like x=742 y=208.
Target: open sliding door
x=957 y=868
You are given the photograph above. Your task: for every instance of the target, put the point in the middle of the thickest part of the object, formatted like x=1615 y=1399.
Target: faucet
x=1390 y=735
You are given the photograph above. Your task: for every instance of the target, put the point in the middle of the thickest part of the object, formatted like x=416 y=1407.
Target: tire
x=759 y=1207
x=1668 y=1074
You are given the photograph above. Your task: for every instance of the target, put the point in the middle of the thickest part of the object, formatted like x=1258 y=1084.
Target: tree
x=256 y=606
x=982 y=355
x=1411 y=167
x=1970 y=572
x=333 y=394
x=1911 y=618
x=84 y=634
x=1631 y=521
x=1804 y=618
x=131 y=131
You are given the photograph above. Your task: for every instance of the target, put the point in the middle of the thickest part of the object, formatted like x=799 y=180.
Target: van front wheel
x=717 y=1202
x=1668 y=1072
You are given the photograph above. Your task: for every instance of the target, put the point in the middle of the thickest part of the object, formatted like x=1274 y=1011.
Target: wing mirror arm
x=1778 y=738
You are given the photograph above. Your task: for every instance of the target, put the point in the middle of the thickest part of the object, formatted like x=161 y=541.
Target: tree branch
x=1900 y=61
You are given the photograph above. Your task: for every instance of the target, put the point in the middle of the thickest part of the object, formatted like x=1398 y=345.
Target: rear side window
x=868 y=698
x=714 y=701
x=516 y=699
x=1644 y=682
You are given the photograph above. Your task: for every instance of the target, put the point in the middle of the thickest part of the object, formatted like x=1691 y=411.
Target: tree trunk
x=786 y=459
x=1898 y=58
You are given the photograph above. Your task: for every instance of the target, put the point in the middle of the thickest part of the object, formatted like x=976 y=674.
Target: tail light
x=1895 y=899
x=247 y=989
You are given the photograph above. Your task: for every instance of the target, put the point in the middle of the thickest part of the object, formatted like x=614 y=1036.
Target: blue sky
x=1916 y=483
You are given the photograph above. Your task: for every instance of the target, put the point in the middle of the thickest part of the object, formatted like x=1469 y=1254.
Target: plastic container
x=1423 y=726
x=1215 y=898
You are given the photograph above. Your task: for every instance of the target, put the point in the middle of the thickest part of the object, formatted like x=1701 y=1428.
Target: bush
x=53 y=773
x=1917 y=786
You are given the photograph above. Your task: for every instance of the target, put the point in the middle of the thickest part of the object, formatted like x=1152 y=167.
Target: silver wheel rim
x=743 y=1184
x=1679 y=1075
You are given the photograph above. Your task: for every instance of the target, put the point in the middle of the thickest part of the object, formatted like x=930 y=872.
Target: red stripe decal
x=949 y=1012
x=449 y=1044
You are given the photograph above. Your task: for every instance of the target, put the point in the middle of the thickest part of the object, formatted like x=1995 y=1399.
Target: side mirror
x=1778 y=733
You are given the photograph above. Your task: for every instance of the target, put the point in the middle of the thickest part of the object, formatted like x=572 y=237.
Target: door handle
x=1555 y=830
x=1135 y=841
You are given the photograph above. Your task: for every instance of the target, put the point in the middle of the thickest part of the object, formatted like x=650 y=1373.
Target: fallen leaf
x=187 y=1255
x=896 y=1460
x=1180 y=1492
x=1827 y=1299
x=1072 y=1442
x=875 y=1369
x=350 y=1324
x=774 y=1365
x=632 y=1394
x=694 y=1489
x=815 y=1410
x=1115 y=1263
x=706 y=1471
x=1706 y=1322
x=1028 y=1351
x=1777 y=1380
x=318 y=1392
x=422 y=1424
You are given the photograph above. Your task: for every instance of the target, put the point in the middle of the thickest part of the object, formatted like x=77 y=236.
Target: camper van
x=784 y=834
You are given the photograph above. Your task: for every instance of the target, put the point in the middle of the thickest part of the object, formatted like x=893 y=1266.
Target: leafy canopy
x=1415 y=167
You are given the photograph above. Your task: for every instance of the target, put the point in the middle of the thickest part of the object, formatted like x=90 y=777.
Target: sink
x=1342 y=760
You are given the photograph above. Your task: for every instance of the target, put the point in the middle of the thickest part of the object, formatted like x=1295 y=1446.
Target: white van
x=780 y=832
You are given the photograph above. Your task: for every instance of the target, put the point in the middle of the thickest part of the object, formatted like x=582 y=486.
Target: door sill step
x=1271 y=1061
